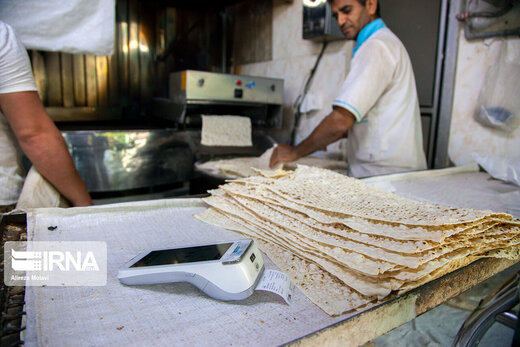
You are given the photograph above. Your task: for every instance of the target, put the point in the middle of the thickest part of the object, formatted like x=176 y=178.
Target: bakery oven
x=159 y=162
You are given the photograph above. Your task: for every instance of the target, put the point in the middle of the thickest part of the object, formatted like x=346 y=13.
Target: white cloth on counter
x=380 y=92
x=72 y=26
x=152 y=315
x=38 y=192
x=15 y=76
x=179 y=314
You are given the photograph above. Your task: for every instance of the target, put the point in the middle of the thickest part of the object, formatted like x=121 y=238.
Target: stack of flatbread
x=249 y=166
x=349 y=245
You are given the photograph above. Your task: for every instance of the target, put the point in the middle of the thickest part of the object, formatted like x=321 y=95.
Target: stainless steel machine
x=135 y=164
x=196 y=93
x=193 y=93
x=127 y=165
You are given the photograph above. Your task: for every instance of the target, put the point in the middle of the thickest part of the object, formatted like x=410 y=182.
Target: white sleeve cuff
x=348 y=107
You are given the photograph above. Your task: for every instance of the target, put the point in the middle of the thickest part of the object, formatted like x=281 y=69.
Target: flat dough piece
x=323 y=289
x=286 y=231
x=362 y=225
x=243 y=167
x=234 y=131
x=269 y=232
x=253 y=166
x=324 y=163
x=352 y=197
x=250 y=166
x=370 y=261
x=373 y=259
x=354 y=232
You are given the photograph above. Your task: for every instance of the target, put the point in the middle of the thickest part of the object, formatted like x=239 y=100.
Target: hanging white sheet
x=72 y=26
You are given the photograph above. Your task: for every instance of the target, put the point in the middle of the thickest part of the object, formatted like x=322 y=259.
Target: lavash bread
x=226 y=131
x=319 y=286
x=365 y=243
x=250 y=166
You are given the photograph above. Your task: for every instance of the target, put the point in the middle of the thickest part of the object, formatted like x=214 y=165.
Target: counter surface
x=180 y=314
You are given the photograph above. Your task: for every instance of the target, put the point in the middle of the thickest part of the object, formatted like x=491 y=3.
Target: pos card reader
x=225 y=271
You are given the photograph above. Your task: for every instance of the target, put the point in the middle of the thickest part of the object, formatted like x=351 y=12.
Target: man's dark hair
x=363 y=3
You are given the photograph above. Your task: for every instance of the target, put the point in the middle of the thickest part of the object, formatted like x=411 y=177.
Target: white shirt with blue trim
x=380 y=92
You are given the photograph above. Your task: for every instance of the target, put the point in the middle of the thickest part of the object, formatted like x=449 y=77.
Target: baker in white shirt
x=24 y=123
x=377 y=105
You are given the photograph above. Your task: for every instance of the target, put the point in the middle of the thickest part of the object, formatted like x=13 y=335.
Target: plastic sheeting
x=505 y=169
x=72 y=26
x=499 y=105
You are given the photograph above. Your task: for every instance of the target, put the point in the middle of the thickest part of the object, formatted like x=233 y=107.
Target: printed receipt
x=277 y=282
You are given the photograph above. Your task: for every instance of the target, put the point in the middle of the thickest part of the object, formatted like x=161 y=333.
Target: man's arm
x=332 y=128
x=43 y=144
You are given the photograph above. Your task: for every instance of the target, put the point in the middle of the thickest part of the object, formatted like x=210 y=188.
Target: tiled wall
x=292 y=60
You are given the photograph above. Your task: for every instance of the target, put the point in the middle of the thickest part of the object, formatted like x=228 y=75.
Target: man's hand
x=283 y=154
x=331 y=129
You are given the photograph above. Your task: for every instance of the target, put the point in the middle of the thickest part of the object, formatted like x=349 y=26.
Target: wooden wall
x=253 y=32
x=151 y=41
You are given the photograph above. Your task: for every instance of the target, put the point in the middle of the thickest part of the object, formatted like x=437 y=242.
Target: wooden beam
x=374 y=322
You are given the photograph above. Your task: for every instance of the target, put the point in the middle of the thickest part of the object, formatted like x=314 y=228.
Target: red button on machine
x=239 y=82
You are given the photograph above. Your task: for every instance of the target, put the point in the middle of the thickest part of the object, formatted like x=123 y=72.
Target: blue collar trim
x=368 y=31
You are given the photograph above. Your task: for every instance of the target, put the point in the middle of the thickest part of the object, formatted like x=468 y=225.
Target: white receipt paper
x=276 y=282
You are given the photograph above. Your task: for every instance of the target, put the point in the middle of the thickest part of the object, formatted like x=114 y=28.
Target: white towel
x=72 y=26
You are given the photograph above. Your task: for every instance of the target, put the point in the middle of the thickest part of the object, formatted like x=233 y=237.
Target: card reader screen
x=183 y=255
